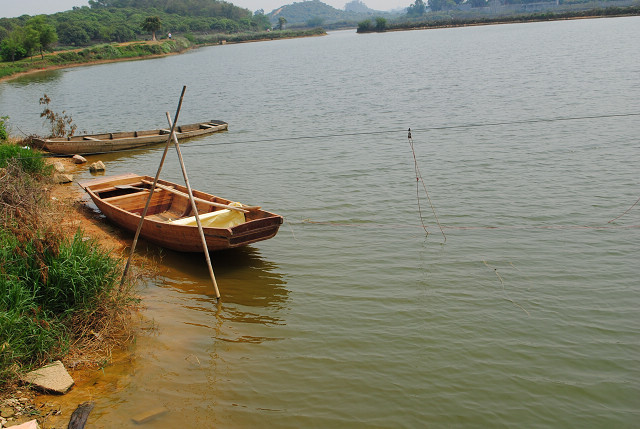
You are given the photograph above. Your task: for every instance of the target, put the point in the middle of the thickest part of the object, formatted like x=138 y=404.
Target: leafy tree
x=315 y=22
x=364 y=26
x=30 y=40
x=418 y=8
x=260 y=20
x=97 y=4
x=47 y=35
x=281 y=22
x=73 y=35
x=381 y=24
x=437 y=5
x=152 y=24
x=11 y=48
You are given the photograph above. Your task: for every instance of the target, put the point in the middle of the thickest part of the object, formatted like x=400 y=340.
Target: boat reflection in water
x=181 y=361
x=253 y=291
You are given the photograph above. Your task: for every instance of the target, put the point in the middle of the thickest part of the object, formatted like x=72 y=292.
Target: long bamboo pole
x=195 y=209
x=155 y=181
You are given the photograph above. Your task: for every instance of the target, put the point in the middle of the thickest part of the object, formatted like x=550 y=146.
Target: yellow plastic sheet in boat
x=224 y=218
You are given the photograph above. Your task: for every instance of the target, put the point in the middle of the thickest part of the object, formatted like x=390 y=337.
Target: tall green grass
x=44 y=288
x=54 y=289
x=30 y=160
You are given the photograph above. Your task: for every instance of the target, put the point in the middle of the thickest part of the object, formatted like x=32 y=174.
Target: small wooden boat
x=170 y=222
x=110 y=142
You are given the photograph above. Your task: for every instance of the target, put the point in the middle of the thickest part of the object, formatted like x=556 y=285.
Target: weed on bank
x=57 y=291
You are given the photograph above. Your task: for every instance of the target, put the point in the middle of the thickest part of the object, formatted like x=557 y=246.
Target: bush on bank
x=55 y=290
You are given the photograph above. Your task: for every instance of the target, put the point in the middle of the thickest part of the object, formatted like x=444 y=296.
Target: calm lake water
x=527 y=316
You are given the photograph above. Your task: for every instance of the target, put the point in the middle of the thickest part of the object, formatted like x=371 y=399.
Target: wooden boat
x=110 y=142
x=170 y=222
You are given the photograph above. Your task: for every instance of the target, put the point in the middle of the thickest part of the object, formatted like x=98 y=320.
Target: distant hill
x=358 y=7
x=315 y=13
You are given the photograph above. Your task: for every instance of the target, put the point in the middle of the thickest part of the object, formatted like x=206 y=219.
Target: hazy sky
x=11 y=8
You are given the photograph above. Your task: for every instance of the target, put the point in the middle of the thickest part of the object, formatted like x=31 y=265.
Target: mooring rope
x=419 y=180
x=626 y=211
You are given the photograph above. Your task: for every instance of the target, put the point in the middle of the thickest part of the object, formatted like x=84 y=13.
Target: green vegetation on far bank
x=112 y=51
x=56 y=289
x=455 y=18
x=136 y=50
x=215 y=39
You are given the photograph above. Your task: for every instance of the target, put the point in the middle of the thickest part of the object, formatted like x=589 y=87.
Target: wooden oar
x=243 y=209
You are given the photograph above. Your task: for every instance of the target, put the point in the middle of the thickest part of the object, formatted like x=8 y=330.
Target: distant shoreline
x=433 y=26
x=185 y=47
x=521 y=19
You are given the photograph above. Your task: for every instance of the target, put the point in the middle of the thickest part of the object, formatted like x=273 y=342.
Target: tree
x=364 y=26
x=73 y=34
x=315 y=22
x=436 y=5
x=281 y=22
x=152 y=24
x=30 y=40
x=11 y=48
x=47 y=35
x=381 y=24
x=417 y=9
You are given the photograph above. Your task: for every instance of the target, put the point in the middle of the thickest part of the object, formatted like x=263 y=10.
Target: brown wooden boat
x=111 y=142
x=170 y=222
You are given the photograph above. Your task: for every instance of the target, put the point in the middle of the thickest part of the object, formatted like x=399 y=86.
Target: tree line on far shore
x=446 y=13
x=106 y=21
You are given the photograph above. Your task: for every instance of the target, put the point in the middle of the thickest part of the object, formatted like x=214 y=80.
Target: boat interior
x=169 y=205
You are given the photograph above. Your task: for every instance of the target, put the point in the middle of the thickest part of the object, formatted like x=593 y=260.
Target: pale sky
x=12 y=8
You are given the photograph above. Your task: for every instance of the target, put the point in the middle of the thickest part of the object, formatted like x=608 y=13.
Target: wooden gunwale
x=260 y=224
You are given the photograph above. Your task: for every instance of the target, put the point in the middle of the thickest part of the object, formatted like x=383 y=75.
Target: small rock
x=149 y=415
x=32 y=424
x=58 y=167
x=97 y=166
x=62 y=178
x=77 y=159
x=7 y=412
x=54 y=378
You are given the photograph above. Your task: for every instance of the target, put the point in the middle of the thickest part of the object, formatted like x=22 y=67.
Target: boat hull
x=260 y=225
x=113 y=142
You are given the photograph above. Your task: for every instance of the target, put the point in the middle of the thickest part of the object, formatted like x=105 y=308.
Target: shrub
x=364 y=26
x=28 y=159
x=60 y=124
x=53 y=290
x=3 y=128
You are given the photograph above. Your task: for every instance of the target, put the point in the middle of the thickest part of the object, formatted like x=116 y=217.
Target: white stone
x=97 y=166
x=33 y=424
x=77 y=159
x=54 y=378
x=58 y=167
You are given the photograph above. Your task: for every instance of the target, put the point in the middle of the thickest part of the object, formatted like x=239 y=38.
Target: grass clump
x=57 y=292
x=30 y=161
